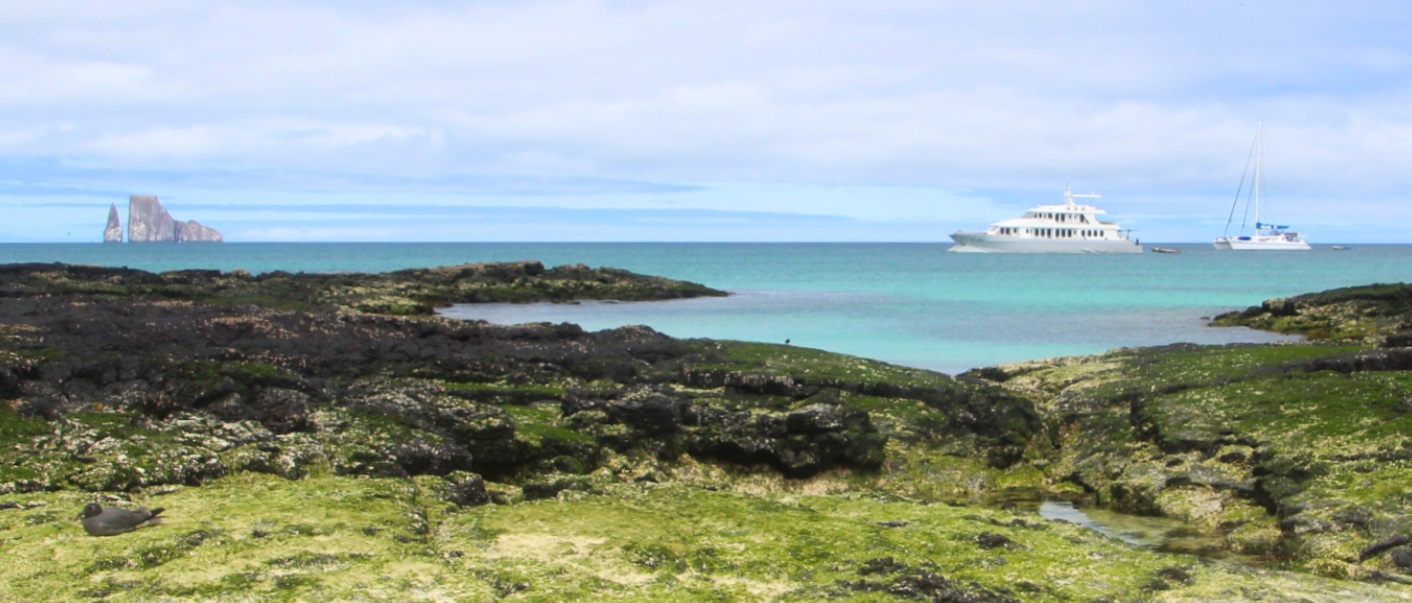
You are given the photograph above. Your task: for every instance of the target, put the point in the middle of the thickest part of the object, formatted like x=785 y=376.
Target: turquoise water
x=911 y=304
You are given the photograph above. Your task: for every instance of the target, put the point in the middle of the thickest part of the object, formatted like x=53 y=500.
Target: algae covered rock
x=309 y=449
x=405 y=292
x=103 y=368
x=1380 y=310
x=1260 y=444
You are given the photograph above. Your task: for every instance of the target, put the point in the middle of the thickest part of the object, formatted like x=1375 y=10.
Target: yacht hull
x=980 y=242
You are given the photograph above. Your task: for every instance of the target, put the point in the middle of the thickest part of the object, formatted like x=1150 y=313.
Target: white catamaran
x=1067 y=228
x=1267 y=236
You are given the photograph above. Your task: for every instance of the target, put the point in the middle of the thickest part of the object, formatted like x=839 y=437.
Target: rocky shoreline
x=327 y=437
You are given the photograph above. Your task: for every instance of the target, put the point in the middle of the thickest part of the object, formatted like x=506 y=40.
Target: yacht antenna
x=1069 y=197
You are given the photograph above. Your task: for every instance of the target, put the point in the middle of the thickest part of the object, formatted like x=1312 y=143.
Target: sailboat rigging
x=1268 y=236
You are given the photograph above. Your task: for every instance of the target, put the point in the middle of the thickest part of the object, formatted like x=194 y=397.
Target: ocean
x=909 y=304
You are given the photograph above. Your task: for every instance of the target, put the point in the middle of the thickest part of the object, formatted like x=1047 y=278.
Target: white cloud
x=1000 y=101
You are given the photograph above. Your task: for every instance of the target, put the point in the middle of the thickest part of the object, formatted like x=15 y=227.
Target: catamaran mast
x=1245 y=214
x=1259 y=148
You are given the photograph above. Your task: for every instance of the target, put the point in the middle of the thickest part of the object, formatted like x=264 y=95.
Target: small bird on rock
x=98 y=521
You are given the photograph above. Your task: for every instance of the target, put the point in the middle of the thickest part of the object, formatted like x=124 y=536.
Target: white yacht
x=1067 y=228
x=1267 y=236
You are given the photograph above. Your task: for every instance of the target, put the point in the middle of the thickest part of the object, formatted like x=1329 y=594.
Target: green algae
x=539 y=423
x=249 y=536
x=677 y=542
x=1241 y=441
x=807 y=364
x=259 y=537
x=927 y=460
x=1244 y=443
x=1131 y=372
x=1350 y=313
x=414 y=292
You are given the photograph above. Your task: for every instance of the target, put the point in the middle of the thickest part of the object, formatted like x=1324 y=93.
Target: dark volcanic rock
x=920 y=584
x=539 y=491
x=649 y=411
x=1347 y=313
x=798 y=444
x=468 y=491
x=182 y=356
x=1383 y=546
x=407 y=292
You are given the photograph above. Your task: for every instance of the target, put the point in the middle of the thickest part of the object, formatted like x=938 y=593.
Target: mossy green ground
x=1308 y=467
x=255 y=537
x=1292 y=468
x=698 y=531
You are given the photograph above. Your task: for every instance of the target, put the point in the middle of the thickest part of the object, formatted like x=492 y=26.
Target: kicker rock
x=149 y=222
x=114 y=232
x=192 y=231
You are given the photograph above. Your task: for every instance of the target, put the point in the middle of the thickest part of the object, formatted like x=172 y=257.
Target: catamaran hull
x=980 y=242
x=1267 y=236
x=1255 y=244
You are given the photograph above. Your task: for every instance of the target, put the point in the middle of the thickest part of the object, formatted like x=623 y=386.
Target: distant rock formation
x=114 y=232
x=193 y=231
x=149 y=222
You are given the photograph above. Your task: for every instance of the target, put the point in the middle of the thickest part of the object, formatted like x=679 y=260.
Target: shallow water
x=1160 y=533
x=910 y=304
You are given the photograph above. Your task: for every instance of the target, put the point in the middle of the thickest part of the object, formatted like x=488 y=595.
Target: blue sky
x=820 y=120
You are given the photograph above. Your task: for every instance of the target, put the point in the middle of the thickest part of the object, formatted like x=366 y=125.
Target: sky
x=788 y=120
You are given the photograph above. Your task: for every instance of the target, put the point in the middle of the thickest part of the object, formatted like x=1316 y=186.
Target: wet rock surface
x=196 y=385
x=164 y=366
x=404 y=292
x=1288 y=452
x=1380 y=312
x=98 y=358
x=887 y=575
